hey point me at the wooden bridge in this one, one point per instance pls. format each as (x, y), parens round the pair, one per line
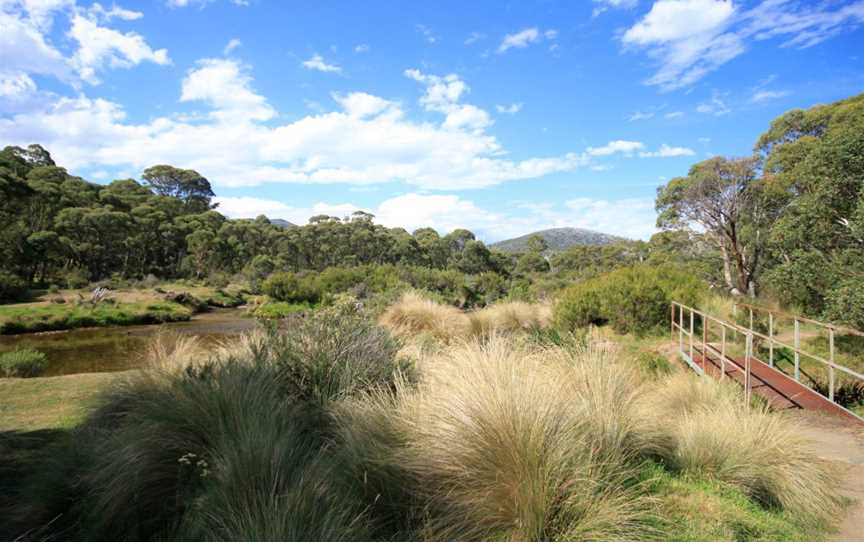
(721, 349)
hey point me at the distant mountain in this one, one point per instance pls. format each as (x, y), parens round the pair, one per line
(558, 239)
(282, 223)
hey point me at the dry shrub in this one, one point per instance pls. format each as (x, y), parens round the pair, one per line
(501, 443)
(509, 317)
(415, 315)
(701, 426)
(170, 352)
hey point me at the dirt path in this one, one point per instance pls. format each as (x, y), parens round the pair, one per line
(838, 441)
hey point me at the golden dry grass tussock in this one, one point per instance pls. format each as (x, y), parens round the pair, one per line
(415, 317)
(512, 442)
(704, 427)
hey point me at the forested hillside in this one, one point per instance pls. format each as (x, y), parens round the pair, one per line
(557, 239)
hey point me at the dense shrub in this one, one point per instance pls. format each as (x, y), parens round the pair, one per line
(12, 288)
(75, 277)
(845, 304)
(631, 299)
(22, 363)
(291, 287)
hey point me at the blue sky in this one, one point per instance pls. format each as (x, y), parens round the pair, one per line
(499, 117)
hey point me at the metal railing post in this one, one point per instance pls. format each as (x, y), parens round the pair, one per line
(704, 338)
(747, 359)
(771, 339)
(691, 336)
(722, 352)
(751, 318)
(831, 366)
(681, 329)
(797, 344)
(672, 321)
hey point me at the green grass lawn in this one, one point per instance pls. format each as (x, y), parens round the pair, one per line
(27, 318)
(60, 402)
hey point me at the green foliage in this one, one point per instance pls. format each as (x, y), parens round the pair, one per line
(12, 288)
(845, 304)
(75, 277)
(279, 310)
(632, 299)
(52, 317)
(23, 363)
(291, 287)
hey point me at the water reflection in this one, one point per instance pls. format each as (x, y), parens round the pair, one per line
(121, 348)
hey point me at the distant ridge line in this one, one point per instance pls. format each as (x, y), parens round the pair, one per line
(559, 239)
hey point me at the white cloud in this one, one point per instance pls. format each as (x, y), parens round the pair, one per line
(640, 115)
(23, 48)
(691, 38)
(366, 141)
(226, 88)
(96, 11)
(362, 105)
(520, 39)
(474, 38)
(716, 106)
(317, 63)
(427, 33)
(362, 48)
(673, 115)
(16, 86)
(511, 109)
(443, 95)
(232, 44)
(617, 146)
(767, 95)
(633, 217)
(637, 148)
(604, 5)
(99, 46)
(667, 151)
(26, 48)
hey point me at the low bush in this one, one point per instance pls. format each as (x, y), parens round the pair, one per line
(703, 427)
(292, 288)
(845, 304)
(23, 363)
(12, 287)
(631, 299)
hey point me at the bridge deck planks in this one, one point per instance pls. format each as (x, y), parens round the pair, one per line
(781, 391)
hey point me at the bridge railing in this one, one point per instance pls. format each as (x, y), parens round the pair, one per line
(685, 320)
(830, 363)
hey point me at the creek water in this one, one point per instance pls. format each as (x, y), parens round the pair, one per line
(98, 350)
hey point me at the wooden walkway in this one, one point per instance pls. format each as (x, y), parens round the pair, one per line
(781, 391)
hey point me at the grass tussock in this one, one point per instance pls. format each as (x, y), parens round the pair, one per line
(505, 443)
(509, 317)
(703, 427)
(415, 315)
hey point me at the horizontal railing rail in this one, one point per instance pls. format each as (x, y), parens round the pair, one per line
(722, 346)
